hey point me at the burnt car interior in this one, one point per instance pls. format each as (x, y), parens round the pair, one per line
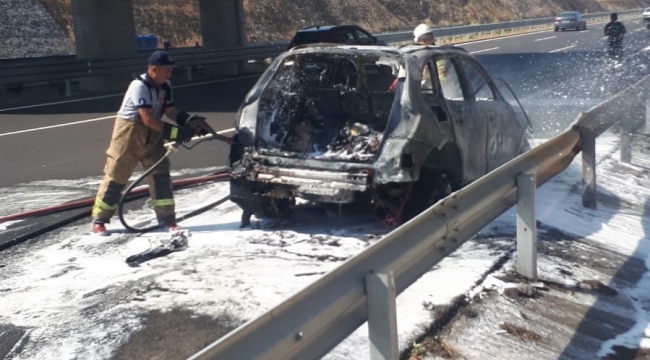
(326, 106)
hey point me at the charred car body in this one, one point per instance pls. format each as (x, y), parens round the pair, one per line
(397, 128)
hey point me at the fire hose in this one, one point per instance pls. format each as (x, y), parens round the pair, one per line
(171, 148)
(130, 194)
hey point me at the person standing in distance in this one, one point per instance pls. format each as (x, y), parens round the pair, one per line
(138, 136)
(615, 30)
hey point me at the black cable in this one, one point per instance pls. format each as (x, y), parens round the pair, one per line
(120, 205)
(46, 229)
(205, 208)
(83, 214)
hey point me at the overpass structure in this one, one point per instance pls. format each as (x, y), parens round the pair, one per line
(107, 29)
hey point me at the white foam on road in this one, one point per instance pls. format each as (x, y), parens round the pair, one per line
(79, 299)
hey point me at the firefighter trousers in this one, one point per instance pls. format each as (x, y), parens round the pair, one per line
(132, 143)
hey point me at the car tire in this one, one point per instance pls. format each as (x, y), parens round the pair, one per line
(555, 29)
(432, 186)
(264, 207)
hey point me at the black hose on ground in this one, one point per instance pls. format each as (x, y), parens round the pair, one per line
(86, 213)
(178, 219)
(120, 205)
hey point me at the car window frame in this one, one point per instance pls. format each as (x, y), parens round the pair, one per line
(481, 70)
(461, 80)
(347, 30)
(358, 30)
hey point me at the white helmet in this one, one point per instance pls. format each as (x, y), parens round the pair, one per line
(421, 30)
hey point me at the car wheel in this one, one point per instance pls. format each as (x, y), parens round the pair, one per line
(555, 29)
(264, 207)
(431, 187)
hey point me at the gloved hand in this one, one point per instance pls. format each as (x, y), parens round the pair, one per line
(179, 134)
(181, 118)
(197, 123)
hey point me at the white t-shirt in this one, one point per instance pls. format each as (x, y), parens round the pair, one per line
(143, 94)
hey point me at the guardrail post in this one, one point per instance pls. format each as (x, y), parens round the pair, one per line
(382, 316)
(526, 226)
(626, 140)
(588, 168)
(647, 118)
(68, 88)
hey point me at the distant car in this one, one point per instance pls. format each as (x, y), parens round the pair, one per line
(646, 15)
(335, 34)
(397, 129)
(570, 20)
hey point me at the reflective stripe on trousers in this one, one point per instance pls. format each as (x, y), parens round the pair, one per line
(132, 143)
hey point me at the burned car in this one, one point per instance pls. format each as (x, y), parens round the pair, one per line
(397, 128)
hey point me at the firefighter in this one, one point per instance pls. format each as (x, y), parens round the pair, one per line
(138, 136)
(615, 30)
(423, 35)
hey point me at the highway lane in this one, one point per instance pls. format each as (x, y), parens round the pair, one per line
(590, 40)
(77, 151)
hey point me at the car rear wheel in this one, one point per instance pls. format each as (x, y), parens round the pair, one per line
(264, 207)
(432, 186)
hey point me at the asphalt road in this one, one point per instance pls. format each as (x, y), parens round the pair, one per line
(555, 75)
(68, 140)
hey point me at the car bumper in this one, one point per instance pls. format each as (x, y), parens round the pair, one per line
(567, 26)
(315, 185)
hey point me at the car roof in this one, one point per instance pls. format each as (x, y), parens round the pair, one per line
(569, 12)
(342, 48)
(378, 50)
(319, 28)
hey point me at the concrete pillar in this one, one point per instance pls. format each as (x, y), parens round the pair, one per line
(222, 27)
(104, 29)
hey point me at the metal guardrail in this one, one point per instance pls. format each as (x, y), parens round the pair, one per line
(54, 69)
(313, 321)
(77, 68)
(489, 30)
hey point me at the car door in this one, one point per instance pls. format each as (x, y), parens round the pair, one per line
(504, 132)
(469, 120)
